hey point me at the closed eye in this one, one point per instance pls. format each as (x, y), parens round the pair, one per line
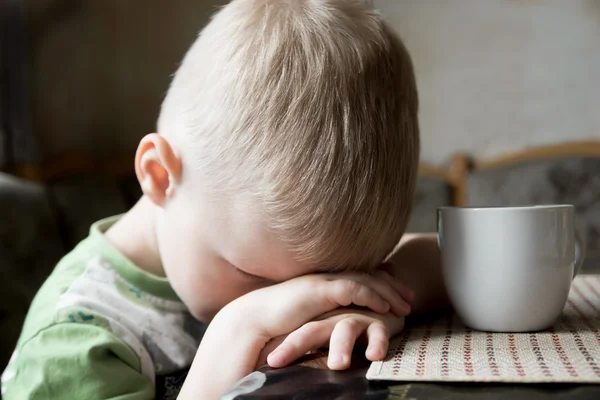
(245, 274)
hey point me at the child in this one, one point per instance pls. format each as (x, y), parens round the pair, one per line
(280, 179)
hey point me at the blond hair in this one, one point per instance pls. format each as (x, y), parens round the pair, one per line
(310, 106)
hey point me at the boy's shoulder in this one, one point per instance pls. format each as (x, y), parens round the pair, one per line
(97, 285)
(95, 295)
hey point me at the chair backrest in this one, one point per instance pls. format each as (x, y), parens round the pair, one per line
(435, 188)
(567, 173)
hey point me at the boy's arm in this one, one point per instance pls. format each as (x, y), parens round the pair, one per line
(417, 264)
(232, 344)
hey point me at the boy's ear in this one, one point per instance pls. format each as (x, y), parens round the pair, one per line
(158, 168)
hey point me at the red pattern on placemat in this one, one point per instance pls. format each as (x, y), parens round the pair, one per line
(422, 352)
(562, 355)
(577, 337)
(489, 348)
(591, 301)
(585, 353)
(443, 351)
(467, 349)
(400, 349)
(538, 355)
(593, 290)
(586, 322)
(583, 316)
(446, 346)
(512, 347)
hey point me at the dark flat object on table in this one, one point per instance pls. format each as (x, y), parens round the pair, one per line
(300, 382)
(310, 379)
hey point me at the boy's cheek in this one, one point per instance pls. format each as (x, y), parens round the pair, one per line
(205, 301)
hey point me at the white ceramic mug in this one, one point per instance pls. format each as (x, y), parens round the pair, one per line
(509, 269)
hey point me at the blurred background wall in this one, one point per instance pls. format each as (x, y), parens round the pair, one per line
(499, 75)
(101, 68)
(494, 75)
(81, 81)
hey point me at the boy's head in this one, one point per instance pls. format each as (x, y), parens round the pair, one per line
(289, 135)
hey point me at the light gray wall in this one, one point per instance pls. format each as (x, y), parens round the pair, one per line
(499, 75)
(494, 75)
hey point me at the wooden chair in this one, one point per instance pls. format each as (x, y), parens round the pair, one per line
(567, 173)
(436, 187)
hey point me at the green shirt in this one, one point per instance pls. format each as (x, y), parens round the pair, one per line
(102, 328)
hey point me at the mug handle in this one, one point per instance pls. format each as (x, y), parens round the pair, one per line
(579, 252)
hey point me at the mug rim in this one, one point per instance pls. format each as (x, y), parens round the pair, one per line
(506, 208)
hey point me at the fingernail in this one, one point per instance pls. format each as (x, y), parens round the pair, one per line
(407, 308)
(337, 360)
(376, 353)
(403, 310)
(275, 357)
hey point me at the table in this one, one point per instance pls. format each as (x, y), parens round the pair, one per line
(310, 379)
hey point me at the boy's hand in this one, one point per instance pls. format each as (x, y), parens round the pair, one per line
(340, 330)
(282, 308)
(232, 344)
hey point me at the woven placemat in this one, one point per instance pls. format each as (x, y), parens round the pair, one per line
(445, 350)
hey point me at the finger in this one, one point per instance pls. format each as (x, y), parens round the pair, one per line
(308, 337)
(383, 284)
(344, 292)
(269, 347)
(378, 341)
(342, 342)
(404, 291)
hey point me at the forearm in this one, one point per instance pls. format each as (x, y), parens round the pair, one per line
(417, 263)
(225, 356)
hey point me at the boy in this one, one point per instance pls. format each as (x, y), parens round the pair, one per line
(287, 147)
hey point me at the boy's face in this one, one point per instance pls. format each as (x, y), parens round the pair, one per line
(215, 250)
